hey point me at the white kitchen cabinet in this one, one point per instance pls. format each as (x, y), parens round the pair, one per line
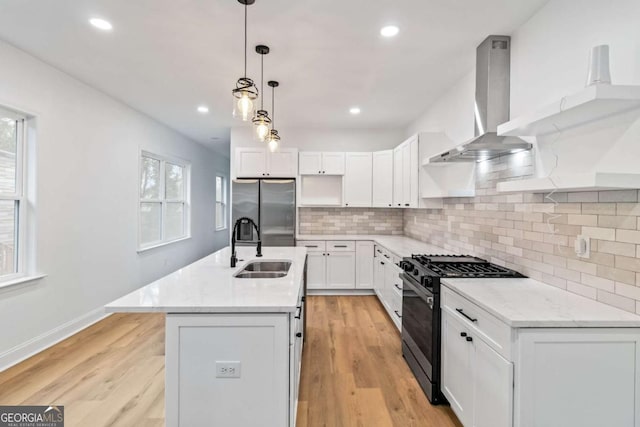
(358, 179)
(406, 174)
(378, 273)
(341, 271)
(282, 163)
(251, 162)
(382, 182)
(316, 270)
(256, 162)
(398, 184)
(495, 375)
(364, 265)
(414, 175)
(457, 367)
(330, 264)
(321, 163)
(492, 387)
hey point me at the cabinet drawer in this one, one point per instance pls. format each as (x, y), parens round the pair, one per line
(494, 332)
(313, 245)
(337, 246)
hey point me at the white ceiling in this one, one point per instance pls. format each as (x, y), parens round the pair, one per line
(165, 57)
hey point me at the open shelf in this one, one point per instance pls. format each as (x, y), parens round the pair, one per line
(320, 190)
(589, 105)
(596, 181)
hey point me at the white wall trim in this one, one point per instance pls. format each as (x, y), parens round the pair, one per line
(40, 343)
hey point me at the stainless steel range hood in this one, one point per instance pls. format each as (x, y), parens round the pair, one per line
(493, 58)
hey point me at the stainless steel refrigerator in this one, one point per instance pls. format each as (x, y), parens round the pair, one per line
(271, 203)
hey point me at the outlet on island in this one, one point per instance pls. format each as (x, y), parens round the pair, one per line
(227, 369)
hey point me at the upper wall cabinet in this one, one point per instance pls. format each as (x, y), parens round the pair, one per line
(259, 162)
(405, 174)
(382, 196)
(358, 179)
(322, 163)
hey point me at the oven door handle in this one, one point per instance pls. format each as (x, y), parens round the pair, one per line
(424, 295)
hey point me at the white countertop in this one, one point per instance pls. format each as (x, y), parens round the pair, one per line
(208, 286)
(527, 303)
(401, 246)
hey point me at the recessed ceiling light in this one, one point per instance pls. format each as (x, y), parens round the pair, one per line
(389, 31)
(203, 109)
(101, 24)
(354, 110)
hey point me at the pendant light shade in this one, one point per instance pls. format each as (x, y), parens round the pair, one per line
(245, 91)
(273, 139)
(261, 119)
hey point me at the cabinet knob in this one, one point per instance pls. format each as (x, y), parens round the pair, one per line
(463, 334)
(299, 334)
(469, 339)
(319, 171)
(406, 204)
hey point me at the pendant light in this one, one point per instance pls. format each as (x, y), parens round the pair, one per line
(245, 91)
(261, 119)
(273, 139)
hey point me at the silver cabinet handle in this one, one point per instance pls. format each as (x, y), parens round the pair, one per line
(430, 302)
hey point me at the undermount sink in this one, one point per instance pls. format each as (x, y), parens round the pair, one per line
(260, 274)
(264, 270)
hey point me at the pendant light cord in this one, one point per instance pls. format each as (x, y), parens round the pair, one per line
(262, 81)
(273, 107)
(245, 40)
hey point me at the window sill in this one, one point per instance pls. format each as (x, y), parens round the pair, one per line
(20, 280)
(159, 245)
(221, 229)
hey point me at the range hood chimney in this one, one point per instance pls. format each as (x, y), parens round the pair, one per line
(493, 58)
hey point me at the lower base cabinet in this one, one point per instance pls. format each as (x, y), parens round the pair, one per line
(339, 265)
(497, 376)
(387, 283)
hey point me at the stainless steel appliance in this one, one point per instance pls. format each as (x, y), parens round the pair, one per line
(271, 204)
(421, 310)
(493, 80)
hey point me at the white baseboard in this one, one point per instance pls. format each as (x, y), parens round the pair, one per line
(352, 292)
(35, 345)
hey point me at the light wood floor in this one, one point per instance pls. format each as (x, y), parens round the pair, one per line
(112, 374)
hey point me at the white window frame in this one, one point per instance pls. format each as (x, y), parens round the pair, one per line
(23, 263)
(163, 159)
(224, 202)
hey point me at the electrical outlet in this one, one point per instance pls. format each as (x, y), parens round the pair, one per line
(227, 369)
(583, 246)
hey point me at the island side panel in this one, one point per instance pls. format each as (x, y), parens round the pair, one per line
(196, 394)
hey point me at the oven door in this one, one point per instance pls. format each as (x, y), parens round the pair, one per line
(418, 325)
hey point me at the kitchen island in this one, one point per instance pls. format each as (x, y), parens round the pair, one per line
(233, 345)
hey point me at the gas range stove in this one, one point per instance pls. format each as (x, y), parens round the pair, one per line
(427, 270)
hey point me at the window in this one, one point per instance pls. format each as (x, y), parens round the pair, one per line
(12, 202)
(221, 203)
(164, 200)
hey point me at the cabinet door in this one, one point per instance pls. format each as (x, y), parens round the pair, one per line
(378, 276)
(406, 175)
(283, 163)
(492, 388)
(357, 179)
(316, 270)
(391, 278)
(310, 163)
(382, 192)
(341, 270)
(414, 170)
(364, 265)
(251, 162)
(333, 163)
(457, 367)
(397, 176)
